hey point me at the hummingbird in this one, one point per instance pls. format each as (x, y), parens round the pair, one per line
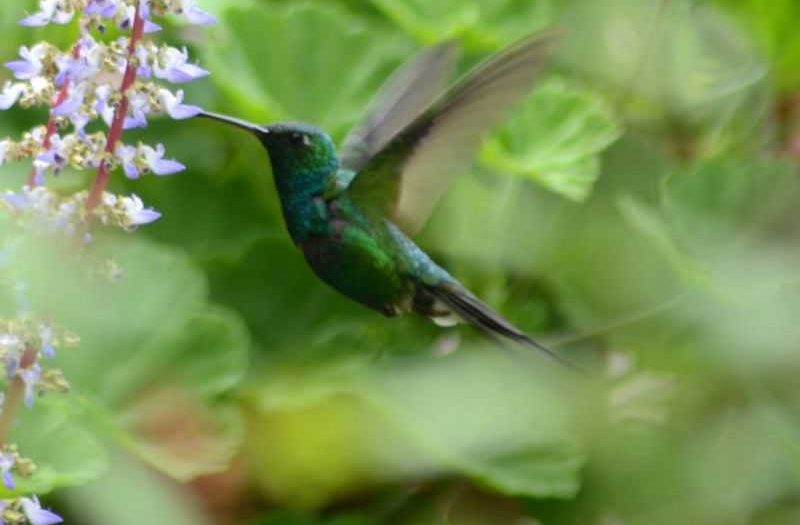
(352, 212)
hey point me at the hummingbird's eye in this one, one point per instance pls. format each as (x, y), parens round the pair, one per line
(300, 140)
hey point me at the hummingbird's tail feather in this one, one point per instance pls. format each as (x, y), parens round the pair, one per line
(481, 316)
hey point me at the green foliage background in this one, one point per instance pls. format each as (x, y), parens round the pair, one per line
(638, 211)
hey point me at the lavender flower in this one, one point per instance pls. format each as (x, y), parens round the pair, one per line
(174, 107)
(31, 64)
(10, 95)
(173, 65)
(195, 15)
(102, 8)
(55, 11)
(136, 213)
(46, 342)
(36, 514)
(6, 464)
(30, 378)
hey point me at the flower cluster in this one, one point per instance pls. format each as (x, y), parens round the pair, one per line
(96, 90)
(24, 335)
(115, 82)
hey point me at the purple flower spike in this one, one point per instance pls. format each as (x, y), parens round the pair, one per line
(173, 106)
(36, 514)
(195, 15)
(158, 164)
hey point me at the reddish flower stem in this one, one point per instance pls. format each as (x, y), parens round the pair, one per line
(58, 99)
(121, 111)
(15, 394)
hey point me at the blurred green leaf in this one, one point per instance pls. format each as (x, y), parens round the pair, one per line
(337, 59)
(679, 66)
(708, 202)
(408, 420)
(130, 493)
(555, 139)
(485, 24)
(772, 25)
(152, 350)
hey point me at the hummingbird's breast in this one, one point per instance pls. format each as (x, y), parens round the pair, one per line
(353, 258)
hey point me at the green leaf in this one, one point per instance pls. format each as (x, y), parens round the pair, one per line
(684, 65)
(555, 139)
(130, 493)
(773, 26)
(304, 62)
(65, 453)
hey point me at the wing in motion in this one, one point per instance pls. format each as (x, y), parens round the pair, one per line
(406, 178)
(403, 97)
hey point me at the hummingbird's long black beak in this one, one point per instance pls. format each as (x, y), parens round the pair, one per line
(242, 124)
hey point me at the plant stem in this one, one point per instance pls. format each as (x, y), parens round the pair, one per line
(14, 394)
(121, 111)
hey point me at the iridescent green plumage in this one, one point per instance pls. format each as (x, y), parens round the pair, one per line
(351, 213)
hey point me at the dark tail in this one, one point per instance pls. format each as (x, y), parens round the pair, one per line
(480, 315)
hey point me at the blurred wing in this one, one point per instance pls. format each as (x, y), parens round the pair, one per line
(407, 178)
(403, 97)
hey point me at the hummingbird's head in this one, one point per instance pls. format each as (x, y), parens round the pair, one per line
(296, 150)
(297, 146)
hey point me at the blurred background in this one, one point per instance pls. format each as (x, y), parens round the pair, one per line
(637, 212)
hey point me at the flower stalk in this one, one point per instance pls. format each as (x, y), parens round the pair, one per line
(121, 111)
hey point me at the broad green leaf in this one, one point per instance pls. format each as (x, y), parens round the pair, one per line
(66, 454)
(304, 62)
(555, 139)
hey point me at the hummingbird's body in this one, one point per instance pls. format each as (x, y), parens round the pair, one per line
(368, 259)
(350, 212)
